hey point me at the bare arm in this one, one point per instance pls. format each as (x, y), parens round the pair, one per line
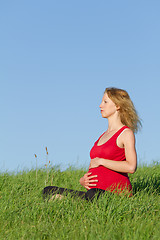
(128, 166)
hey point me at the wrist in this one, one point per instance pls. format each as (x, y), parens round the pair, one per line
(101, 161)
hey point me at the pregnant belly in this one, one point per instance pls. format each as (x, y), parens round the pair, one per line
(108, 179)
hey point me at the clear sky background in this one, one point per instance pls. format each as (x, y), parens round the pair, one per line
(56, 59)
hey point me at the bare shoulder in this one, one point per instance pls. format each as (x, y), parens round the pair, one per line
(128, 132)
(127, 135)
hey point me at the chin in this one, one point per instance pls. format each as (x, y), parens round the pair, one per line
(103, 116)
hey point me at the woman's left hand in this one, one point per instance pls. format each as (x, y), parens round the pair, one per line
(95, 162)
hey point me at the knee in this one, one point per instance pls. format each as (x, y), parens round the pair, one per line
(50, 190)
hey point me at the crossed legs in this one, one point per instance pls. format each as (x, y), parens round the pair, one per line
(58, 192)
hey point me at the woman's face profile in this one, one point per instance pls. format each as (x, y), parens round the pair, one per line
(107, 106)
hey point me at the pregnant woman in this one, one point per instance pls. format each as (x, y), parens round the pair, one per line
(113, 155)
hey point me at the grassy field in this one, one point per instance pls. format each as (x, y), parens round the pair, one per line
(25, 215)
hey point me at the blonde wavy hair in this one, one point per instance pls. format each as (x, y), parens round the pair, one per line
(127, 111)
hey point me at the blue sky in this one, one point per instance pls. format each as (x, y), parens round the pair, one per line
(57, 58)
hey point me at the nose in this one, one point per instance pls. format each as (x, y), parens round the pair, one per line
(100, 105)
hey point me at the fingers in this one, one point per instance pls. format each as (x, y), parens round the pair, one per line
(88, 185)
(91, 185)
(94, 176)
(96, 180)
(89, 181)
(87, 174)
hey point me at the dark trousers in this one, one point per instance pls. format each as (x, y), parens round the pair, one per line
(89, 195)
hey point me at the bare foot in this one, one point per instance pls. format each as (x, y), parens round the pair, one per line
(55, 196)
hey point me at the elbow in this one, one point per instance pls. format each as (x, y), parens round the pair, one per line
(132, 169)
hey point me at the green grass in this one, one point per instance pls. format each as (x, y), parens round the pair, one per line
(24, 214)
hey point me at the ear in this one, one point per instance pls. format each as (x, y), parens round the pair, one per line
(118, 108)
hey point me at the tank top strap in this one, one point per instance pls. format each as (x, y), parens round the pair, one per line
(114, 137)
(120, 131)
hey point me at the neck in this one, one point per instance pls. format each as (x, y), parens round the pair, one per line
(114, 124)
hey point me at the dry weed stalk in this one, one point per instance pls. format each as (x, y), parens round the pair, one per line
(47, 166)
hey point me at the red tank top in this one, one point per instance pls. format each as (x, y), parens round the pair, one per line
(108, 179)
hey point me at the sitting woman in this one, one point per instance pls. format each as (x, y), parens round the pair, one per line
(113, 155)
